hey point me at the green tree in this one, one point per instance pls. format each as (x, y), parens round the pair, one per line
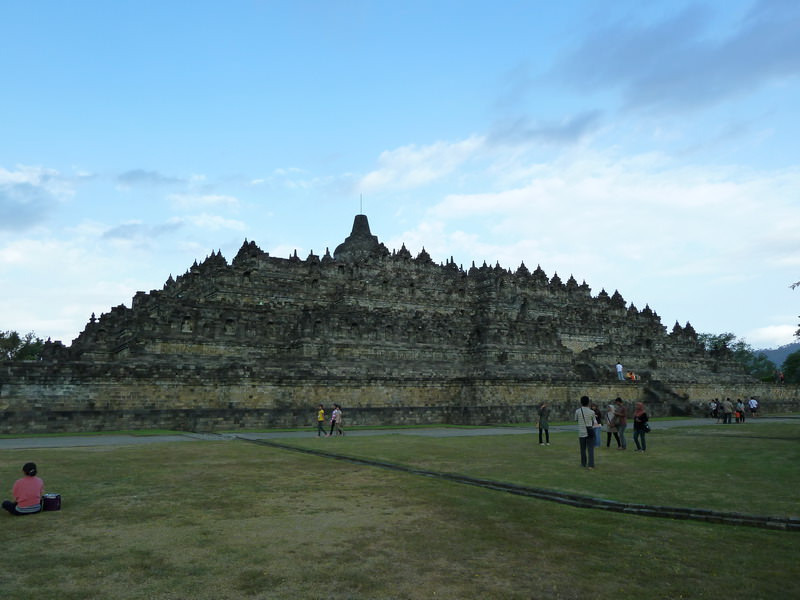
(791, 368)
(726, 345)
(758, 365)
(717, 344)
(16, 347)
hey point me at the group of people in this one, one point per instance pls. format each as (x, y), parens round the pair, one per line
(725, 410)
(336, 422)
(591, 422)
(614, 422)
(625, 376)
(27, 492)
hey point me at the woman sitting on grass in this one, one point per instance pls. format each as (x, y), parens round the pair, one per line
(27, 492)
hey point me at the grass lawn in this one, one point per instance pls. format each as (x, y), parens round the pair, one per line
(218, 520)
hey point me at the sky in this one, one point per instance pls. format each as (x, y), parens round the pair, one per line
(650, 148)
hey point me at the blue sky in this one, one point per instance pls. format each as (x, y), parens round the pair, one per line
(649, 148)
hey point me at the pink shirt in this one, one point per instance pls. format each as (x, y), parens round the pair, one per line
(28, 491)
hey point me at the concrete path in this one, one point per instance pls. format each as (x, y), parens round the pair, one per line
(77, 441)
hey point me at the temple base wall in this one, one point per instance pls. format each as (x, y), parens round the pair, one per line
(41, 407)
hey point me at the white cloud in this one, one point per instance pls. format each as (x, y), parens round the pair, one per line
(772, 336)
(413, 166)
(695, 243)
(28, 174)
(190, 201)
(213, 222)
(57, 284)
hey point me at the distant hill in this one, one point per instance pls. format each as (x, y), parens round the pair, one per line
(778, 355)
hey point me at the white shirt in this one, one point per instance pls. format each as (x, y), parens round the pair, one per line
(584, 415)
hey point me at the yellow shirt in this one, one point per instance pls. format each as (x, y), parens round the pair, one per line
(321, 415)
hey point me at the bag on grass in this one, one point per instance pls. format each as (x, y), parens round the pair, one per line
(51, 502)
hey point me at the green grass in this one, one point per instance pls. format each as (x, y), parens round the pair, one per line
(752, 469)
(231, 520)
(134, 432)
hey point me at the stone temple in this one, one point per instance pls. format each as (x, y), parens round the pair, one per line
(393, 338)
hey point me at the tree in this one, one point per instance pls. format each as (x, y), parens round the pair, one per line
(759, 365)
(791, 368)
(717, 344)
(16, 347)
(726, 345)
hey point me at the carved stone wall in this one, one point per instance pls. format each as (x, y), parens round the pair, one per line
(386, 334)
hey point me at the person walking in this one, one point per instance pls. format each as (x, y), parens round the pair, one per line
(752, 404)
(640, 427)
(585, 418)
(321, 422)
(339, 420)
(544, 423)
(333, 419)
(621, 414)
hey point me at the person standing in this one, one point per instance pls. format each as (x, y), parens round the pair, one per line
(611, 427)
(598, 418)
(620, 375)
(640, 419)
(544, 423)
(585, 418)
(740, 410)
(727, 411)
(27, 492)
(321, 422)
(621, 415)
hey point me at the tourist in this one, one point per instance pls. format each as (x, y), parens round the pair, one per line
(621, 414)
(620, 376)
(584, 417)
(753, 405)
(611, 426)
(727, 411)
(27, 492)
(333, 419)
(598, 419)
(321, 422)
(544, 423)
(739, 411)
(339, 420)
(640, 419)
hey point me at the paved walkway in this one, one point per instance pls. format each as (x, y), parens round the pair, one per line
(129, 440)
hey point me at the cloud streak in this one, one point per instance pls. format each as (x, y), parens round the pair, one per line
(140, 231)
(568, 130)
(682, 63)
(28, 195)
(141, 177)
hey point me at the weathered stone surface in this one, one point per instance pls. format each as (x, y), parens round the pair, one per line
(394, 339)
